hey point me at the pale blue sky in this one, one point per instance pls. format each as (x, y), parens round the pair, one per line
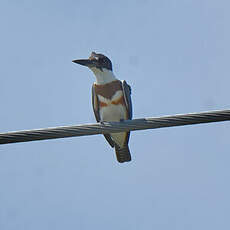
(175, 55)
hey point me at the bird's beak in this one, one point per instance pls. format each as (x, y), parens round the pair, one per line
(86, 62)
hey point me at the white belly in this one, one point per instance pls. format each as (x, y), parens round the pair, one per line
(114, 113)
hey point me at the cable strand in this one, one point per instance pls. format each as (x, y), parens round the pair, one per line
(112, 127)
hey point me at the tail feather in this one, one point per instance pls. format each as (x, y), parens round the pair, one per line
(123, 154)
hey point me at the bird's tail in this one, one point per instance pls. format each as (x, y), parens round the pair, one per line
(123, 154)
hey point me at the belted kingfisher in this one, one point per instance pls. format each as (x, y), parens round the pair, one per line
(111, 99)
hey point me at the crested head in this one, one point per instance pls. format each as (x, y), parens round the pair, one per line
(102, 62)
(95, 60)
(101, 67)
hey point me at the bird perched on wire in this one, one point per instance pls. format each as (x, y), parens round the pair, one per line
(111, 99)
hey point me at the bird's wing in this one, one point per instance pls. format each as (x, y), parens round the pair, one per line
(127, 95)
(95, 103)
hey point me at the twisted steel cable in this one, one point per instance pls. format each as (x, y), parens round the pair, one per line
(113, 127)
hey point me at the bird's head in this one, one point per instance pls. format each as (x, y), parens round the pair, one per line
(96, 62)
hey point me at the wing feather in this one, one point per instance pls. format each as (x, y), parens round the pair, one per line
(95, 105)
(127, 95)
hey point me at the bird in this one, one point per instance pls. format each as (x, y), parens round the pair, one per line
(111, 100)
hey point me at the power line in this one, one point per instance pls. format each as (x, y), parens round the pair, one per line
(113, 127)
